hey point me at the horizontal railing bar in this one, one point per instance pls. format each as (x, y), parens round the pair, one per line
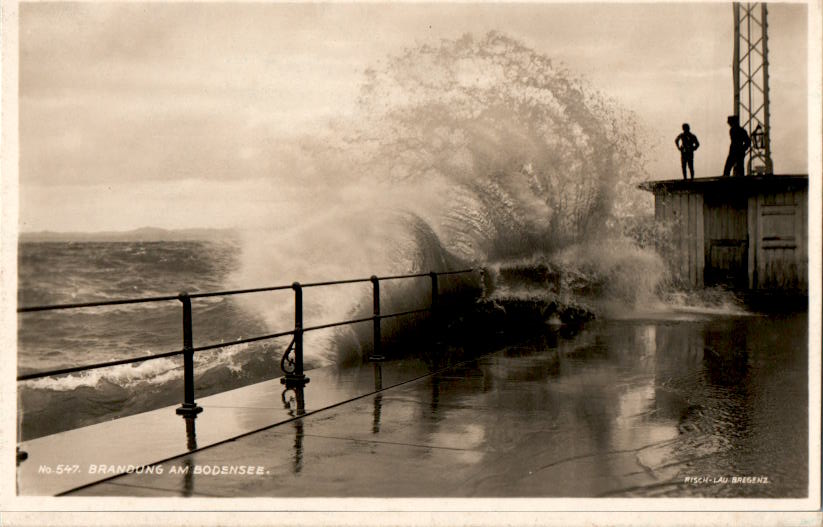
(421, 275)
(240, 291)
(391, 277)
(401, 313)
(53, 307)
(335, 282)
(210, 346)
(144, 300)
(456, 272)
(335, 324)
(399, 276)
(64, 371)
(97, 304)
(244, 341)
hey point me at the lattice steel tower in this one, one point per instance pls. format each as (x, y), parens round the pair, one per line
(751, 81)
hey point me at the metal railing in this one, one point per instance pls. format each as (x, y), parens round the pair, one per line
(292, 361)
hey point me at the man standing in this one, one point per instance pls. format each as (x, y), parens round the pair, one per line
(687, 144)
(738, 147)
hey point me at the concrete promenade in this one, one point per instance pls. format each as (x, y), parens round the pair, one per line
(701, 406)
(494, 426)
(60, 462)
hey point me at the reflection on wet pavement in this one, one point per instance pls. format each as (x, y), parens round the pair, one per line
(625, 408)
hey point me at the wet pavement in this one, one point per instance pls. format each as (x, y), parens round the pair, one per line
(60, 462)
(712, 406)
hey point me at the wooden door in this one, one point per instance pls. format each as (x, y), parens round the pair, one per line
(780, 252)
(726, 241)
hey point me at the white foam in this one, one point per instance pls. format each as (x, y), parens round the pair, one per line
(126, 375)
(478, 147)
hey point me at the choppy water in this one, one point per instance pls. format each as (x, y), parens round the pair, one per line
(53, 273)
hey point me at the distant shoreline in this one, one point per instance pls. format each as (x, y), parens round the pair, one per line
(144, 234)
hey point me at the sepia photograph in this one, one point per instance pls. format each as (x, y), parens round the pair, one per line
(402, 256)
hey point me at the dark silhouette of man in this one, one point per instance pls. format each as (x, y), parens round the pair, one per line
(687, 143)
(738, 147)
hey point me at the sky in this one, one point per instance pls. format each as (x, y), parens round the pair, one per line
(155, 114)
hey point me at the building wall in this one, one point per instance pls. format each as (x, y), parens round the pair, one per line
(683, 248)
(748, 237)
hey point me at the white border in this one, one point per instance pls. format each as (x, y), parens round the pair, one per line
(702, 511)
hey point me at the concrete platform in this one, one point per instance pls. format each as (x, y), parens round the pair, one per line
(623, 409)
(63, 461)
(434, 437)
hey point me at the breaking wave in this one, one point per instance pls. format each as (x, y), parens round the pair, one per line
(478, 152)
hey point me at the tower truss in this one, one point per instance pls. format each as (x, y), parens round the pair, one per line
(751, 82)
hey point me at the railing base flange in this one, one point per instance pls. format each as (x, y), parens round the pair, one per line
(294, 380)
(188, 410)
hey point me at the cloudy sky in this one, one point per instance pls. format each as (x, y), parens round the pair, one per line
(167, 114)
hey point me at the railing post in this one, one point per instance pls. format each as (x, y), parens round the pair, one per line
(377, 338)
(378, 399)
(435, 293)
(297, 378)
(191, 433)
(189, 407)
(378, 377)
(435, 308)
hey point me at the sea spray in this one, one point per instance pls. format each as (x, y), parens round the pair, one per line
(468, 152)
